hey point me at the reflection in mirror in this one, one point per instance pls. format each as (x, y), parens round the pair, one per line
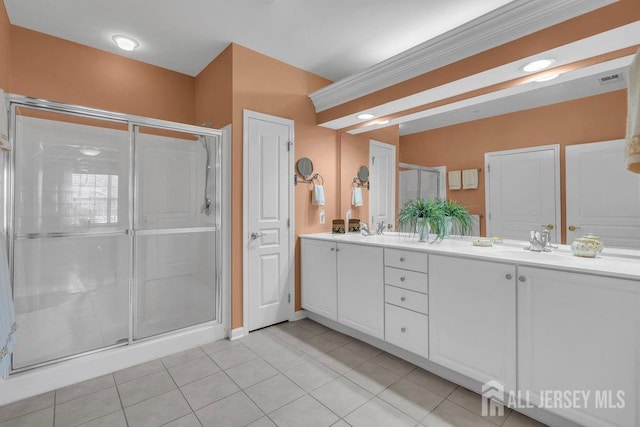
(304, 166)
(363, 174)
(420, 181)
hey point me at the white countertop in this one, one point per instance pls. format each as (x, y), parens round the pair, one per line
(622, 263)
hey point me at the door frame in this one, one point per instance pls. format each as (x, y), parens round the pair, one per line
(246, 115)
(556, 166)
(394, 149)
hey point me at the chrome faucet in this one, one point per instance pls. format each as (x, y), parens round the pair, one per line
(364, 229)
(380, 228)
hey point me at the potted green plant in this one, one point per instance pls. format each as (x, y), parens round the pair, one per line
(438, 216)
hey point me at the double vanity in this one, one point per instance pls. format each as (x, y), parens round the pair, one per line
(545, 326)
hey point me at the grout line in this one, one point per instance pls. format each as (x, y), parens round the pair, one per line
(185, 399)
(55, 399)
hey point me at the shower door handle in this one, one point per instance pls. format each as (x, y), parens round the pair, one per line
(255, 235)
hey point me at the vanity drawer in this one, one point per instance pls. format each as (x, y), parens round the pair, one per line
(406, 279)
(407, 329)
(407, 299)
(416, 261)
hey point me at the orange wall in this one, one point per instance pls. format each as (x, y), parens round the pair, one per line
(48, 67)
(269, 86)
(214, 92)
(596, 118)
(5, 48)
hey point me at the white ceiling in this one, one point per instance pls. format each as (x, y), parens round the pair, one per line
(331, 38)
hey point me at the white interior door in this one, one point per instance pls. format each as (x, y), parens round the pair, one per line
(382, 199)
(267, 174)
(603, 198)
(523, 191)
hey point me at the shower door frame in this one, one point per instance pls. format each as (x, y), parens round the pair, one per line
(132, 122)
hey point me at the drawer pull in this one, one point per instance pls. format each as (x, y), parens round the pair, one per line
(508, 276)
(403, 329)
(402, 279)
(403, 299)
(401, 259)
(522, 279)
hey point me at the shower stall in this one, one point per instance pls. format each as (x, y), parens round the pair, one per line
(113, 229)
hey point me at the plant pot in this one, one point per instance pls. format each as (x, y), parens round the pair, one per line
(422, 228)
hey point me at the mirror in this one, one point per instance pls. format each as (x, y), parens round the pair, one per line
(363, 174)
(304, 166)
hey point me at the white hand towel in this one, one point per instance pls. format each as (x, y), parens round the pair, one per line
(632, 150)
(318, 195)
(469, 179)
(356, 196)
(4, 123)
(454, 180)
(8, 335)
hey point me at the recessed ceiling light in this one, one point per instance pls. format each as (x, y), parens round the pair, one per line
(538, 65)
(125, 43)
(546, 77)
(90, 151)
(383, 122)
(365, 116)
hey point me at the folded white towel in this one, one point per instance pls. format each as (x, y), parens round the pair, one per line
(318, 195)
(8, 335)
(469, 179)
(356, 196)
(454, 180)
(4, 123)
(632, 150)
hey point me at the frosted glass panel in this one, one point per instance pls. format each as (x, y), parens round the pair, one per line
(71, 296)
(171, 172)
(429, 184)
(175, 281)
(70, 177)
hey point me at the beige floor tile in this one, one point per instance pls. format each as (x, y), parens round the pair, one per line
(286, 358)
(233, 356)
(194, 370)
(26, 406)
(305, 410)
(115, 419)
(317, 346)
(273, 393)
(393, 363)
(209, 390)
(410, 398)
(262, 422)
(294, 335)
(41, 418)
(158, 410)
(87, 408)
(516, 419)
(376, 412)
(340, 423)
(232, 411)
(448, 414)
(314, 327)
(311, 375)
(262, 342)
(187, 421)
(219, 345)
(251, 372)
(341, 396)
(84, 388)
(183, 357)
(143, 388)
(138, 371)
(337, 337)
(372, 377)
(341, 360)
(431, 382)
(473, 402)
(363, 349)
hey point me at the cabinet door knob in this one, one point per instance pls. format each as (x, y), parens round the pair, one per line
(403, 329)
(522, 279)
(402, 279)
(402, 259)
(337, 249)
(403, 299)
(508, 276)
(333, 249)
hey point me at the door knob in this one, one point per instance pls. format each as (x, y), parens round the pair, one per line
(573, 228)
(548, 226)
(255, 235)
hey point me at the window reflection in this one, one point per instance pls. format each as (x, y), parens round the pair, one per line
(95, 198)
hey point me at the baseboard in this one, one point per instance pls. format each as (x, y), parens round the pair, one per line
(298, 315)
(237, 333)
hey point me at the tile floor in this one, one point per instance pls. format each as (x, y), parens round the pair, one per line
(292, 374)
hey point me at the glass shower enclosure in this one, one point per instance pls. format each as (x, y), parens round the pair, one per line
(113, 229)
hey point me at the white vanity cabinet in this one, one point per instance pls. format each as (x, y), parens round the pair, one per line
(318, 274)
(472, 318)
(361, 288)
(580, 332)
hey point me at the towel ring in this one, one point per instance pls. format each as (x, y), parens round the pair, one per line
(311, 180)
(359, 183)
(317, 177)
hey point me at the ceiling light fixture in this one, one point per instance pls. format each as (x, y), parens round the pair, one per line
(125, 43)
(90, 151)
(538, 65)
(365, 116)
(546, 77)
(382, 122)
